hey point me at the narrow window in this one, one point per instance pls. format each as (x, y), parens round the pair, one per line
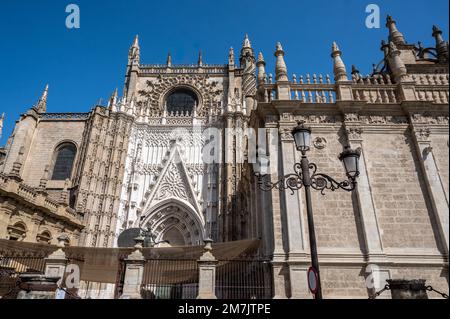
(65, 156)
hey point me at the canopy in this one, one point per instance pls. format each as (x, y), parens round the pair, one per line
(102, 264)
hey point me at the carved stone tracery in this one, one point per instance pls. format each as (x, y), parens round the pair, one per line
(209, 92)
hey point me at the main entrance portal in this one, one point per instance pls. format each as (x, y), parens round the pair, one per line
(174, 223)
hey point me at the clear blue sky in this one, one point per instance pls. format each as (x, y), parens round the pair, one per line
(83, 65)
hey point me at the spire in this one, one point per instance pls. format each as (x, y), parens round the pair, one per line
(394, 35)
(261, 64)
(200, 58)
(441, 45)
(41, 105)
(339, 70)
(136, 41)
(280, 68)
(396, 64)
(112, 103)
(135, 52)
(169, 60)
(246, 43)
(247, 54)
(231, 57)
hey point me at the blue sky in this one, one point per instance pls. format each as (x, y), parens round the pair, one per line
(83, 65)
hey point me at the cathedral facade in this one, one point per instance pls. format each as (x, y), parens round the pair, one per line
(177, 154)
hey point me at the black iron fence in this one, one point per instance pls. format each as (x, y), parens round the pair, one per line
(170, 279)
(244, 279)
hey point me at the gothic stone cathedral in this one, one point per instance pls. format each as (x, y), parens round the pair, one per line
(138, 162)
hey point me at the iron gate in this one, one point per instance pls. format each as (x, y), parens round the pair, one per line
(244, 279)
(170, 279)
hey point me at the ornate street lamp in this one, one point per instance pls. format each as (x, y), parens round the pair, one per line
(306, 176)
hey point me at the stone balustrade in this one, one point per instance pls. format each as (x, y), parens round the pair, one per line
(39, 199)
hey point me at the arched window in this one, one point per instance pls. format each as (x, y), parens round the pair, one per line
(65, 156)
(45, 237)
(17, 231)
(182, 101)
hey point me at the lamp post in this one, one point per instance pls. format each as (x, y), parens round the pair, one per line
(306, 176)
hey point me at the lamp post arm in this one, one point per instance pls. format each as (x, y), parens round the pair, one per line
(322, 182)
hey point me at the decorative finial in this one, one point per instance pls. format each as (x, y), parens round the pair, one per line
(355, 70)
(113, 100)
(441, 45)
(279, 46)
(261, 64)
(261, 58)
(134, 52)
(231, 57)
(246, 43)
(41, 106)
(394, 35)
(200, 58)
(335, 47)
(169, 60)
(280, 68)
(339, 70)
(136, 41)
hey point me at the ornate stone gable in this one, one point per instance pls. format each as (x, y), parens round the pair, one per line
(172, 184)
(173, 181)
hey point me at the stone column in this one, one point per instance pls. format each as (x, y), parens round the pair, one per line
(297, 258)
(55, 263)
(365, 202)
(207, 273)
(295, 230)
(134, 272)
(273, 204)
(435, 188)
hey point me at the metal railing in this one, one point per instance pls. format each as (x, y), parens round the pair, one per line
(244, 279)
(170, 279)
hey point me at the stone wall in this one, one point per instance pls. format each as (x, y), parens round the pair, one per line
(48, 135)
(335, 217)
(398, 192)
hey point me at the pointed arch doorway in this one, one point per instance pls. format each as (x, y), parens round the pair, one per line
(174, 224)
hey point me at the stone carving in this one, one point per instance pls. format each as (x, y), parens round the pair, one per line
(152, 96)
(354, 133)
(172, 184)
(376, 119)
(317, 119)
(320, 143)
(286, 134)
(351, 117)
(429, 119)
(423, 135)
